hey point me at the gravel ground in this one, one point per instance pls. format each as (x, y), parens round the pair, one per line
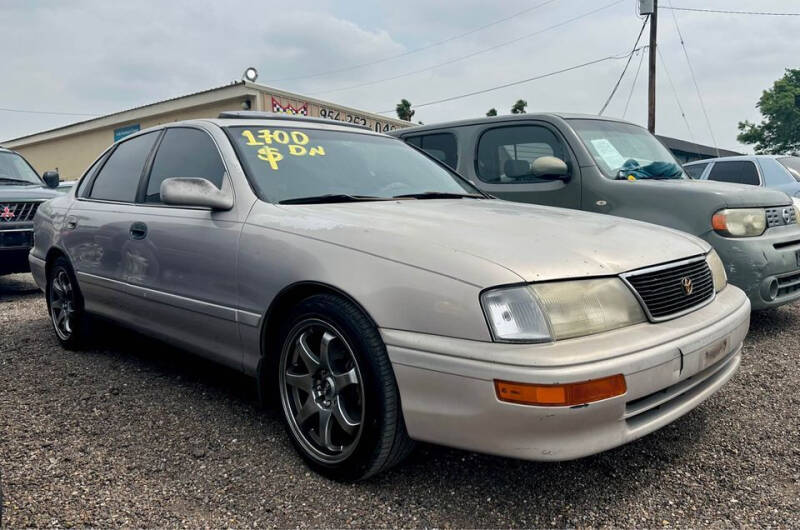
(136, 433)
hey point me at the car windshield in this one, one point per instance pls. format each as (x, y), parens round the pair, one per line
(291, 164)
(14, 169)
(792, 164)
(626, 151)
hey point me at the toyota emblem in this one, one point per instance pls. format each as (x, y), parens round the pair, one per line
(787, 216)
(688, 286)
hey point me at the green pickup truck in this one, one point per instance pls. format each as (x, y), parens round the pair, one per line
(615, 167)
(22, 190)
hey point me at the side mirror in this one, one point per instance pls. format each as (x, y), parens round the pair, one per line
(549, 167)
(51, 178)
(195, 192)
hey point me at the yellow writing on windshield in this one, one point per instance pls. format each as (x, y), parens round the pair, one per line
(269, 140)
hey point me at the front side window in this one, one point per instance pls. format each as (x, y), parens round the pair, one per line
(290, 163)
(441, 146)
(695, 170)
(186, 153)
(505, 154)
(792, 165)
(15, 170)
(623, 150)
(119, 178)
(736, 171)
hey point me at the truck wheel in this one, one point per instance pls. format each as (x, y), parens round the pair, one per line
(340, 401)
(65, 305)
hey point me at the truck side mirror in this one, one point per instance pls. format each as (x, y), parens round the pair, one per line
(51, 178)
(549, 167)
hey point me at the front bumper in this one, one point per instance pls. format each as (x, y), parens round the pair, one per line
(14, 247)
(766, 268)
(447, 392)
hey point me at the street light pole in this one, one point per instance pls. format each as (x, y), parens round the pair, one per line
(651, 88)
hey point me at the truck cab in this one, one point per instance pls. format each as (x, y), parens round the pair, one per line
(614, 167)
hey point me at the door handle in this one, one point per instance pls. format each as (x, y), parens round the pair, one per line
(72, 223)
(138, 231)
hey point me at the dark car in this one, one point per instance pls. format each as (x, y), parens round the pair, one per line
(22, 190)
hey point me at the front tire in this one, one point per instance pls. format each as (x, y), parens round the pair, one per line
(341, 405)
(65, 305)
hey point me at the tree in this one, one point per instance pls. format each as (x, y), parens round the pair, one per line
(404, 111)
(492, 112)
(779, 131)
(519, 107)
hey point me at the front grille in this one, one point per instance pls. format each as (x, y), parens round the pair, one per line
(670, 290)
(780, 216)
(17, 212)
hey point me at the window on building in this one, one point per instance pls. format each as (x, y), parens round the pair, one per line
(695, 170)
(186, 153)
(736, 171)
(119, 178)
(441, 146)
(505, 154)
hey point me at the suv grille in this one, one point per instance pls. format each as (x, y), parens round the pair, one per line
(668, 291)
(17, 212)
(781, 215)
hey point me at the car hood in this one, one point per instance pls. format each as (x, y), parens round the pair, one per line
(715, 195)
(13, 192)
(486, 242)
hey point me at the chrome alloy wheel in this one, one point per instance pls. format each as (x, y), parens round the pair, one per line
(322, 391)
(62, 304)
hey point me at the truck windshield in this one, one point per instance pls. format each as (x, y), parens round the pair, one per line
(792, 164)
(293, 165)
(626, 151)
(15, 170)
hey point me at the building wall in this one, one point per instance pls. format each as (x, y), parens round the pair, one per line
(72, 154)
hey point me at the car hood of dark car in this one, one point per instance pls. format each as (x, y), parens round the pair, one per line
(714, 195)
(10, 192)
(473, 239)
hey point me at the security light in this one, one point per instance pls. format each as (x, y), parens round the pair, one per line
(251, 74)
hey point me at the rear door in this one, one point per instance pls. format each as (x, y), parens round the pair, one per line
(97, 235)
(186, 273)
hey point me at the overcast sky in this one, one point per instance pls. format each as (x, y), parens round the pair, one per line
(98, 57)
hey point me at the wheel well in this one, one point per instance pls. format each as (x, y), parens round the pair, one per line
(52, 254)
(289, 297)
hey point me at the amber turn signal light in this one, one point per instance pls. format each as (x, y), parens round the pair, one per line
(718, 222)
(561, 395)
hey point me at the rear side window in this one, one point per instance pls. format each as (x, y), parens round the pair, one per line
(695, 170)
(737, 171)
(187, 153)
(505, 154)
(120, 176)
(441, 146)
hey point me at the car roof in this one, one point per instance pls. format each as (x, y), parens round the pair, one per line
(244, 118)
(733, 158)
(506, 118)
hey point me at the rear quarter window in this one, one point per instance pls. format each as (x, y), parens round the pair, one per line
(695, 170)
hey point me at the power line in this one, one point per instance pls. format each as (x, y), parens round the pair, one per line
(625, 69)
(415, 50)
(694, 80)
(697, 10)
(461, 58)
(24, 111)
(633, 86)
(521, 81)
(675, 93)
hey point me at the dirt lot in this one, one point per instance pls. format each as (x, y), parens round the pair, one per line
(136, 433)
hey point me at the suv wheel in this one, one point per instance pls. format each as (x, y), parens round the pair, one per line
(338, 393)
(65, 305)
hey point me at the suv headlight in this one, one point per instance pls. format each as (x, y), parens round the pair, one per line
(740, 222)
(717, 270)
(559, 310)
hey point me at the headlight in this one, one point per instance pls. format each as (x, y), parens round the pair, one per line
(740, 222)
(717, 270)
(560, 310)
(796, 203)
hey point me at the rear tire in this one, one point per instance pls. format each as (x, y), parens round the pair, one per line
(65, 305)
(338, 394)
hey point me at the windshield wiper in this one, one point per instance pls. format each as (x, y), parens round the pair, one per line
(439, 195)
(333, 197)
(9, 179)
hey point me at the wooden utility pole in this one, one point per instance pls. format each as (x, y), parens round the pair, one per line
(651, 87)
